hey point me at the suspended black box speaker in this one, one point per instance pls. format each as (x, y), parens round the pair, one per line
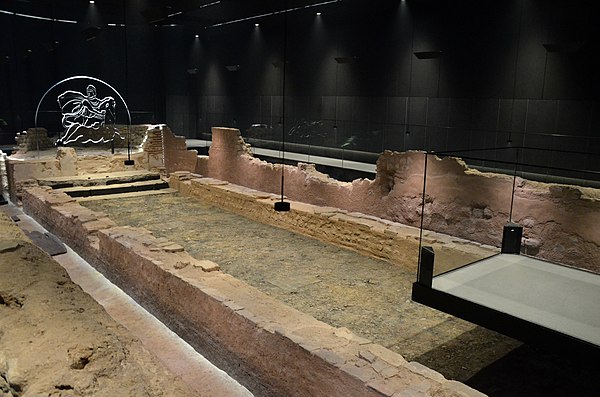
(282, 206)
(511, 238)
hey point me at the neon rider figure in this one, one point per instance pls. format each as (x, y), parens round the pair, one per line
(79, 110)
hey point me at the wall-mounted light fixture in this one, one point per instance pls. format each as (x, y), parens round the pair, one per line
(92, 2)
(318, 14)
(428, 54)
(197, 36)
(567, 47)
(90, 33)
(345, 59)
(256, 25)
(50, 47)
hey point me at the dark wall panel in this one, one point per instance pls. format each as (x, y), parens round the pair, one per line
(517, 71)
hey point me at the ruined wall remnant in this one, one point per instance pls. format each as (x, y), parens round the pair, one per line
(24, 172)
(23, 169)
(166, 151)
(177, 157)
(559, 220)
(367, 234)
(33, 139)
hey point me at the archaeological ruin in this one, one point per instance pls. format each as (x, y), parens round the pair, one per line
(391, 198)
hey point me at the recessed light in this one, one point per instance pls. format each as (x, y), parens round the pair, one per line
(92, 2)
(256, 24)
(197, 36)
(318, 14)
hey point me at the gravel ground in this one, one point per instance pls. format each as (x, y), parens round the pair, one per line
(370, 297)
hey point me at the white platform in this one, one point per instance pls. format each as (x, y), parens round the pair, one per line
(556, 297)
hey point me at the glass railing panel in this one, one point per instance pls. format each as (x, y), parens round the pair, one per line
(463, 212)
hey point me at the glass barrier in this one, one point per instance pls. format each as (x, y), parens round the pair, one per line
(468, 210)
(509, 252)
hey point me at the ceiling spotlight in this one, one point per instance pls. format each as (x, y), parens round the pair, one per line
(256, 24)
(92, 2)
(196, 36)
(318, 14)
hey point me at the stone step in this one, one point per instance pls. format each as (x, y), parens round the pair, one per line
(97, 190)
(126, 195)
(108, 178)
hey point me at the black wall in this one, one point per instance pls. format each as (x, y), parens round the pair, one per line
(489, 78)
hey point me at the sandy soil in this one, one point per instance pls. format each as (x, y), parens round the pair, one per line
(55, 340)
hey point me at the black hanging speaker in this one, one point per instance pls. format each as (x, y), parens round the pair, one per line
(511, 238)
(282, 206)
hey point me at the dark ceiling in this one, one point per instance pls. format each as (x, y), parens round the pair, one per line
(195, 13)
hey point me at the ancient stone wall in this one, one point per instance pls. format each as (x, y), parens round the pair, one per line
(272, 348)
(367, 234)
(176, 155)
(559, 220)
(168, 152)
(153, 148)
(33, 139)
(24, 172)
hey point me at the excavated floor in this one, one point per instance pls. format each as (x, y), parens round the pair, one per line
(369, 296)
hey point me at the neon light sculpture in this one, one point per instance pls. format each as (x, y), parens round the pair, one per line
(85, 111)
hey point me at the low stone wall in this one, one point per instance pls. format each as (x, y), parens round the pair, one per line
(560, 221)
(366, 234)
(271, 348)
(22, 173)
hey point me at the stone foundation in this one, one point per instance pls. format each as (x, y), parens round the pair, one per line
(23, 173)
(271, 348)
(366, 234)
(560, 221)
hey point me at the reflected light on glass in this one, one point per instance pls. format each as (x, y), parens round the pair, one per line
(274, 13)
